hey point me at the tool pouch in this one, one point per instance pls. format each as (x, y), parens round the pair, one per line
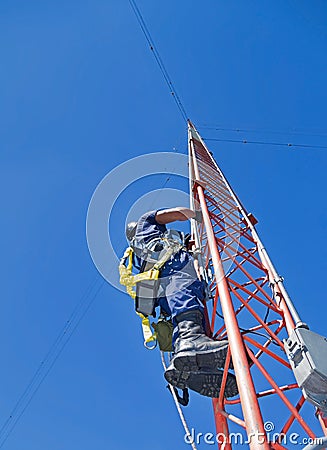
(164, 331)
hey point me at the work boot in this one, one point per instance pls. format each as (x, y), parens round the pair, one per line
(206, 381)
(193, 349)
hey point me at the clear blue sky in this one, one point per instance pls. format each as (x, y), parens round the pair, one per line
(80, 94)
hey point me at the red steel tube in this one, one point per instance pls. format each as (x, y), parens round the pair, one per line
(251, 410)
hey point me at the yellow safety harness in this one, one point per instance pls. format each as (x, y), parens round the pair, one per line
(130, 281)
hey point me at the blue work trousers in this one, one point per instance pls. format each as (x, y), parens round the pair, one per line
(181, 290)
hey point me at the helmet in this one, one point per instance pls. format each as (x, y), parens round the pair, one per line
(130, 230)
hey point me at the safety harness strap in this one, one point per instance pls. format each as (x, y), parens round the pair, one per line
(147, 332)
(129, 280)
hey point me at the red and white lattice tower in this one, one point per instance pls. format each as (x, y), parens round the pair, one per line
(249, 305)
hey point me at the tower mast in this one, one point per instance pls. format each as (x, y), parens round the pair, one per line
(250, 305)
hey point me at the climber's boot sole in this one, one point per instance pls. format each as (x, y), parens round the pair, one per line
(206, 382)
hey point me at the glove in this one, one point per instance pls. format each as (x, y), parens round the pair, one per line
(198, 216)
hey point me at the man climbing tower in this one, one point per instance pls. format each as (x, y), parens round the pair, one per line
(180, 294)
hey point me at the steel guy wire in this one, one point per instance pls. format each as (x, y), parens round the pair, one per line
(158, 59)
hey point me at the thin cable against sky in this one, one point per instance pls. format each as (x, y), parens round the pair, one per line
(280, 144)
(180, 104)
(44, 368)
(159, 60)
(258, 131)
